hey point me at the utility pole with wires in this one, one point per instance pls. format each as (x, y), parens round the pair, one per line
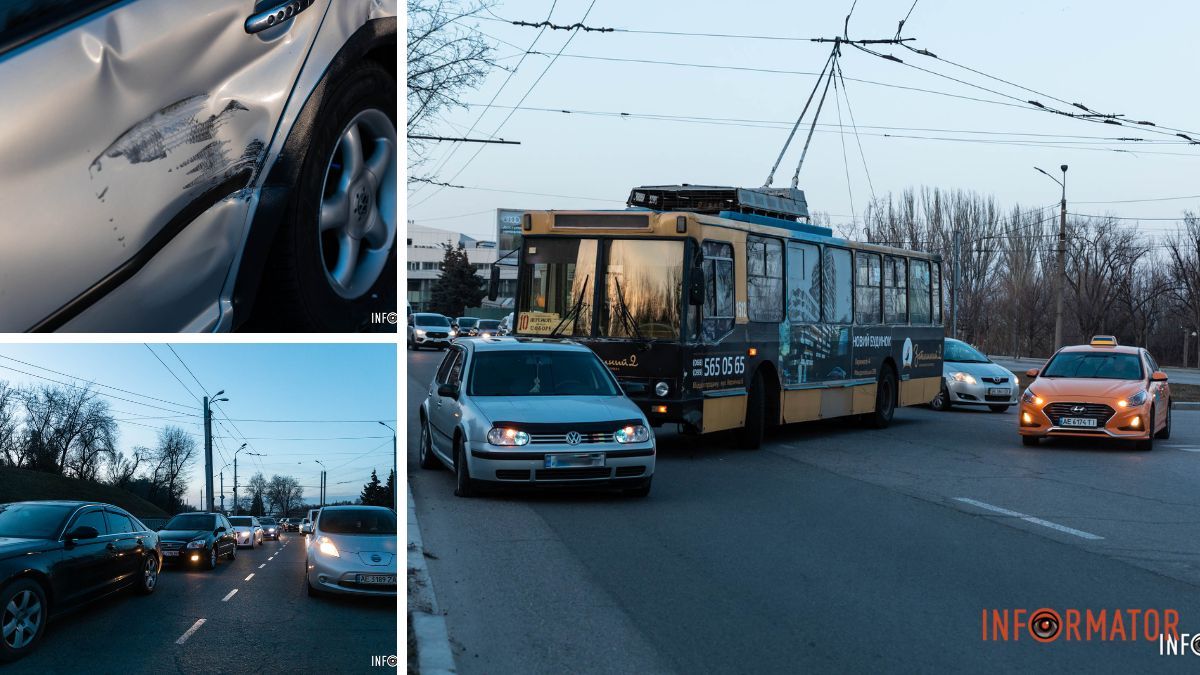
(1060, 277)
(957, 283)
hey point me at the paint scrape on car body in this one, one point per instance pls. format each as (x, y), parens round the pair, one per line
(161, 133)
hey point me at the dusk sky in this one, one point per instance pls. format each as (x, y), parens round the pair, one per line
(267, 385)
(1113, 57)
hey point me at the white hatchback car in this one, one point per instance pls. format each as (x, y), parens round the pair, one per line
(197, 166)
(352, 551)
(533, 412)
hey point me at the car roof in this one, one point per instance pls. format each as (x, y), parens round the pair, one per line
(515, 344)
(1120, 349)
(344, 507)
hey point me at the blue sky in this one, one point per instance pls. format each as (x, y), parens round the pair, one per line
(1133, 59)
(262, 381)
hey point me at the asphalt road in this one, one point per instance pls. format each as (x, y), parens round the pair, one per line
(269, 625)
(834, 548)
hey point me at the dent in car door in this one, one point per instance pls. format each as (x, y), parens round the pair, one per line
(115, 125)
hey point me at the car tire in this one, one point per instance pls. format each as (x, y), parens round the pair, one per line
(426, 458)
(1147, 444)
(641, 491)
(309, 589)
(1030, 440)
(885, 400)
(755, 428)
(299, 292)
(998, 408)
(941, 402)
(1165, 433)
(150, 570)
(211, 563)
(28, 596)
(463, 484)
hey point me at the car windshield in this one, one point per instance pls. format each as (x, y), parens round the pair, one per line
(540, 373)
(431, 320)
(358, 521)
(266, 521)
(33, 521)
(489, 324)
(1094, 365)
(961, 352)
(467, 322)
(241, 521)
(192, 521)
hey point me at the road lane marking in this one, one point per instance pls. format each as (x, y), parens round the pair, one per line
(1189, 448)
(1029, 519)
(231, 594)
(195, 627)
(250, 577)
(270, 559)
(262, 566)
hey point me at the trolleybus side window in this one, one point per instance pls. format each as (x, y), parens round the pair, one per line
(867, 303)
(918, 291)
(895, 290)
(804, 283)
(837, 305)
(764, 279)
(718, 296)
(937, 292)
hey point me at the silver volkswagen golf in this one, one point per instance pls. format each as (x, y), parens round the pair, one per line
(197, 166)
(533, 412)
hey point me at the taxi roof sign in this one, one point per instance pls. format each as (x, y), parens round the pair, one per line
(1104, 341)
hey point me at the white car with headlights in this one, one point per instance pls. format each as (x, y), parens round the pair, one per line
(533, 412)
(271, 528)
(247, 531)
(970, 378)
(352, 551)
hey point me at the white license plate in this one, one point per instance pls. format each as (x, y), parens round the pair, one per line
(1076, 422)
(388, 579)
(999, 391)
(574, 460)
(170, 553)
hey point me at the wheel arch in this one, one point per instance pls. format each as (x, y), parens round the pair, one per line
(770, 376)
(374, 41)
(41, 579)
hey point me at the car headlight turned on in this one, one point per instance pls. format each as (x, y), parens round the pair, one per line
(199, 543)
(506, 436)
(1030, 397)
(419, 332)
(1135, 400)
(632, 434)
(963, 377)
(327, 548)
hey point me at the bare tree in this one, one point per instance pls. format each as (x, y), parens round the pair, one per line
(175, 452)
(446, 58)
(284, 493)
(10, 447)
(122, 469)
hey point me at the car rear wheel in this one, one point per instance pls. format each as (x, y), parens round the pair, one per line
(149, 580)
(998, 408)
(334, 260)
(885, 400)
(1165, 433)
(1030, 440)
(463, 485)
(22, 618)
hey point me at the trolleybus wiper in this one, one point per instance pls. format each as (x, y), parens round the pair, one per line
(623, 311)
(573, 313)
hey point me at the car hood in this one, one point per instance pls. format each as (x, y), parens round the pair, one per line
(1056, 388)
(557, 409)
(978, 370)
(243, 528)
(370, 550)
(13, 546)
(183, 535)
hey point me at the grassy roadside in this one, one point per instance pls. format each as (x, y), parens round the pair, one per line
(18, 485)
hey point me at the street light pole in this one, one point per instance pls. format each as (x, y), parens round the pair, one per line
(322, 481)
(235, 484)
(208, 461)
(395, 476)
(1061, 276)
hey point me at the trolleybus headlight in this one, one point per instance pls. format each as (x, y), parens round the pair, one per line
(662, 389)
(503, 436)
(632, 434)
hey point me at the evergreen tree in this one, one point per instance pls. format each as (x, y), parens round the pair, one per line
(457, 287)
(372, 492)
(389, 489)
(256, 506)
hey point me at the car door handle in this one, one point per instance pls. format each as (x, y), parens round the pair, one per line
(280, 12)
(111, 546)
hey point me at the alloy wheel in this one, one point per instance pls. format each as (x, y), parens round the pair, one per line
(21, 619)
(150, 573)
(357, 220)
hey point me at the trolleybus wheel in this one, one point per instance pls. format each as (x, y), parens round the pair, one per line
(751, 437)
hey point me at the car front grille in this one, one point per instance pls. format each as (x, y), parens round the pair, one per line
(430, 334)
(1096, 411)
(573, 474)
(171, 545)
(995, 380)
(561, 439)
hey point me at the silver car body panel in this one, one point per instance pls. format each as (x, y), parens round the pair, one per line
(115, 125)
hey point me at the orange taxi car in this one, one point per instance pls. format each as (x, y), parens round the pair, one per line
(1097, 390)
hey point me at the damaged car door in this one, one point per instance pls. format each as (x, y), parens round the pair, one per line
(131, 133)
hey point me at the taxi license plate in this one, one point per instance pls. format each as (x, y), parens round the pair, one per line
(574, 460)
(388, 579)
(999, 391)
(170, 553)
(1076, 422)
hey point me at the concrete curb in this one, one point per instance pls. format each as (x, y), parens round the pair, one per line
(1186, 405)
(434, 656)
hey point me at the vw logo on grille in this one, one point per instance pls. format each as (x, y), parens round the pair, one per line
(1078, 409)
(574, 438)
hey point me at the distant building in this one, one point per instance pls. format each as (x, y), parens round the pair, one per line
(425, 254)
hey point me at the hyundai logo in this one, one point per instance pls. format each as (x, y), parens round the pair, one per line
(1078, 409)
(574, 438)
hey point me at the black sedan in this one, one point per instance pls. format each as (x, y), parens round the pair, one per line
(271, 529)
(57, 555)
(198, 538)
